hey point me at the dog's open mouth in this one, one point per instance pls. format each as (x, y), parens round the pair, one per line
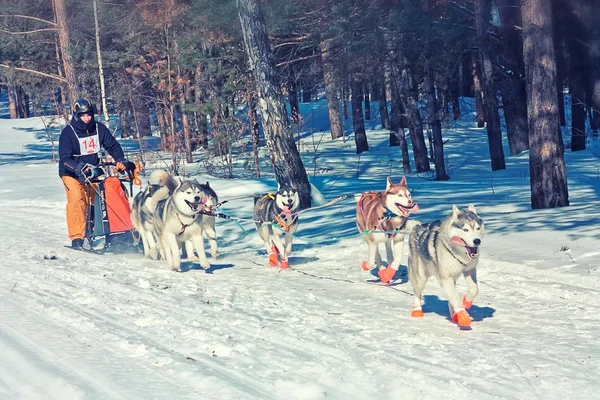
(195, 207)
(405, 210)
(472, 252)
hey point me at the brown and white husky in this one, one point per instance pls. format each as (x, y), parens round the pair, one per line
(381, 217)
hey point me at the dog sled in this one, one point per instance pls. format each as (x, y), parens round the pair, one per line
(108, 225)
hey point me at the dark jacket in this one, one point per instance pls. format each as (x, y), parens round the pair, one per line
(69, 152)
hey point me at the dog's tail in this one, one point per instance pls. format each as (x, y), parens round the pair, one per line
(159, 177)
(167, 184)
(163, 178)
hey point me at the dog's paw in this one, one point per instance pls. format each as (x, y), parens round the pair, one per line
(215, 253)
(462, 318)
(174, 268)
(193, 258)
(364, 265)
(467, 303)
(205, 266)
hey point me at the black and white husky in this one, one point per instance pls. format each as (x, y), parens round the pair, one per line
(176, 213)
(274, 215)
(447, 249)
(142, 211)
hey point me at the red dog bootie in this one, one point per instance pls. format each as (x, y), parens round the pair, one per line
(365, 265)
(417, 312)
(462, 318)
(273, 257)
(466, 303)
(386, 274)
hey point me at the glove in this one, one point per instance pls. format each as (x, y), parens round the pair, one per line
(124, 165)
(88, 171)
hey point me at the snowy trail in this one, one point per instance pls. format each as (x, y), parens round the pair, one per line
(84, 322)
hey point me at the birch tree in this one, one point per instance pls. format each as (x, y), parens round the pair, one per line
(287, 164)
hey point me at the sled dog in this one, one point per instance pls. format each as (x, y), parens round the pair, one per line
(142, 211)
(181, 215)
(274, 216)
(382, 217)
(447, 249)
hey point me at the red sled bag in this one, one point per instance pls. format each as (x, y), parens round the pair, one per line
(117, 206)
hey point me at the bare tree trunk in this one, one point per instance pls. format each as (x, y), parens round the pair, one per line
(490, 97)
(548, 175)
(560, 63)
(61, 89)
(185, 127)
(415, 124)
(514, 97)
(21, 113)
(584, 29)
(379, 91)
(60, 12)
(396, 120)
(367, 99)
(254, 132)
(331, 90)
(443, 94)
(345, 100)
(594, 57)
(162, 125)
(292, 88)
(397, 136)
(100, 67)
(124, 122)
(577, 74)
(433, 119)
(454, 93)
(199, 99)
(477, 91)
(12, 101)
(360, 135)
(287, 164)
(26, 107)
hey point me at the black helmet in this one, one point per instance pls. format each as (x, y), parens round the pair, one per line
(82, 106)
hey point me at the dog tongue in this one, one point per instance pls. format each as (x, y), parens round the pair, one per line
(415, 208)
(457, 240)
(286, 210)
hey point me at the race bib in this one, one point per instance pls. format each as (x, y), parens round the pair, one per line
(89, 145)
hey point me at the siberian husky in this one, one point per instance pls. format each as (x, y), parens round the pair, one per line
(382, 217)
(274, 214)
(447, 249)
(142, 211)
(183, 213)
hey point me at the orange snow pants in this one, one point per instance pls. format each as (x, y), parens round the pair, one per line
(77, 206)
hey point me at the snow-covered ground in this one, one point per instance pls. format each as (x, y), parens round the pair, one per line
(77, 325)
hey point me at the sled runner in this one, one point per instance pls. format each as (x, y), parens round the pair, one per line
(109, 213)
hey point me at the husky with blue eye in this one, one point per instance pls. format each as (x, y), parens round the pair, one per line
(447, 249)
(275, 216)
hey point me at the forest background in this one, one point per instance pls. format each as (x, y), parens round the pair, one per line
(228, 76)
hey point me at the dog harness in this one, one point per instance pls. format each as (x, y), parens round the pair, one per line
(387, 215)
(183, 226)
(281, 222)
